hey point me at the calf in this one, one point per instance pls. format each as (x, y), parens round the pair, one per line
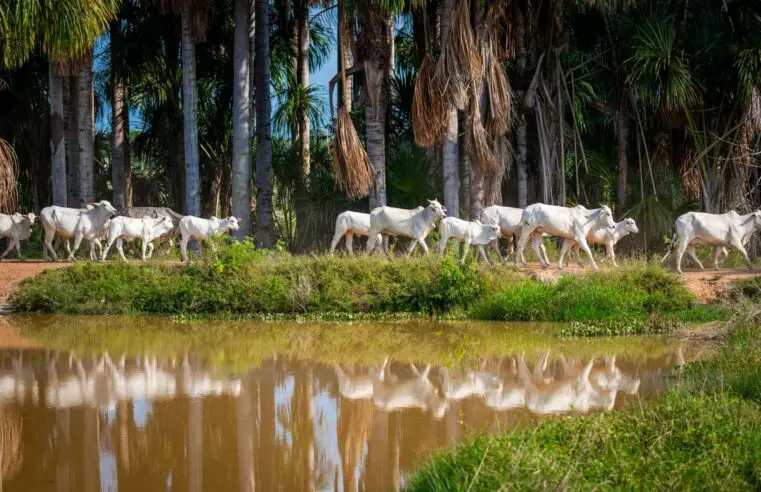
(349, 224)
(201, 229)
(468, 233)
(718, 230)
(16, 228)
(414, 224)
(156, 213)
(609, 237)
(146, 230)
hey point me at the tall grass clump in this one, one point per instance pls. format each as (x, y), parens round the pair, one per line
(241, 279)
(635, 292)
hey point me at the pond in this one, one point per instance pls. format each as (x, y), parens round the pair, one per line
(144, 404)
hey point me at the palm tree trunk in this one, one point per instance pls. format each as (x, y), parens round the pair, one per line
(72, 140)
(117, 128)
(343, 59)
(57, 141)
(622, 134)
(244, 420)
(450, 151)
(375, 126)
(126, 150)
(263, 129)
(521, 129)
(241, 186)
(303, 80)
(85, 120)
(190, 118)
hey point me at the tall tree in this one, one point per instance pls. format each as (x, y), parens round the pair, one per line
(85, 128)
(450, 150)
(190, 116)
(241, 166)
(57, 140)
(263, 128)
(121, 173)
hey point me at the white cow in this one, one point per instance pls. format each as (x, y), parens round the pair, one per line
(417, 392)
(201, 229)
(699, 228)
(574, 393)
(127, 228)
(509, 221)
(16, 228)
(568, 222)
(414, 224)
(609, 237)
(349, 224)
(355, 387)
(474, 233)
(88, 223)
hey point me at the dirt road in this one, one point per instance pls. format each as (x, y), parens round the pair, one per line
(705, 285)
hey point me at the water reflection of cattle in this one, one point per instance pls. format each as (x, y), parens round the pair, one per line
(103, 382)
(579, 390)
(417, 392)
(469, 384)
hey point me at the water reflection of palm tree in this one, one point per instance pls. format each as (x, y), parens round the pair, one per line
(244, 420)
(10, 444)
(354, 422)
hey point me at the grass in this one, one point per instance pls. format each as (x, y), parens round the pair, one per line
(242, 281)
(705, 434)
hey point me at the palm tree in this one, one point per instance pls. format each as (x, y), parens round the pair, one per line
(241, 166)
(450, 150)
(263, 128)
(64, 31)
(121, 173)
(85, 128)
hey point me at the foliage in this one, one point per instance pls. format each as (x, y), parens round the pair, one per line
(617, 327)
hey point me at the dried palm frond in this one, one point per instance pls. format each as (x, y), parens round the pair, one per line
(429, 114)
(477, 140)
(351, 166)
(498, 90)
(690, 176)
(460, 62)
(11, 455)
(8, 178)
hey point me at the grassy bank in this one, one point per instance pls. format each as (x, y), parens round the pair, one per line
(706, 434)
(242, 281)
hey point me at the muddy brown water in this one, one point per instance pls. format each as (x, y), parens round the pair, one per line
(85, 407)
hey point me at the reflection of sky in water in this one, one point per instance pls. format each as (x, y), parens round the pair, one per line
(283, 396)
(108, 476)
(326, 432)
(142, 410)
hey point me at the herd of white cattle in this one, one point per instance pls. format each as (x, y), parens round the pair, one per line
(577, 227)
(99, 221)
(66, 382)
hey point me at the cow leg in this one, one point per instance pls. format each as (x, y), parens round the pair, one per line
(563, 251)
(11, 242)
(577, 251)
(465, 249)
(482, 252)
(120, 248)
(411, 247)
(109, 243)
(535, 242)
(738, 245)
(443, 244)
(48, 244)
(77, 241)
(495, 246)
(18, 250)
(612, 254)
(423, 245)
(526, 232)
(372, 238)
(349, 242)
(143, 247)
(680, 249)
(184, 248)
(150, 249)
(694, 256)
(336, 238)
(582, 240)
(716, 254)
